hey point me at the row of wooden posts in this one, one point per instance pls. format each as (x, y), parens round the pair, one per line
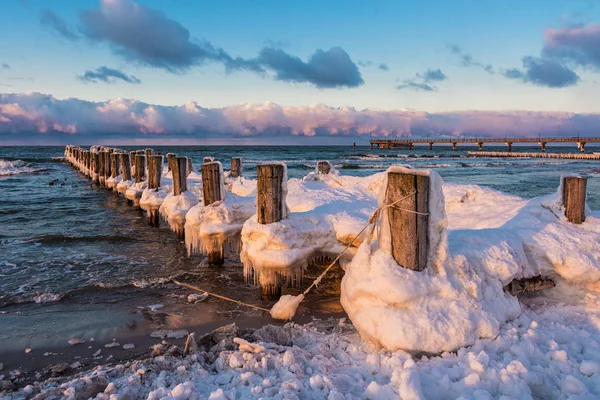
(408, 230)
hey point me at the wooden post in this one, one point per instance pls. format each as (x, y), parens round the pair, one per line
(106, 165)
(96, 167)
(169, 157)
(125, 166)
(179, 169)
(236, 167)
(114, 165)
(132, 157)
(101, 178)
(323, 167)
(269, 198)
(208, 159)
(211, 191)
(574, 190)
(408, 231)
(270, 201)
(190, 166)
(140, 168)
(155, 164)
(148, 153)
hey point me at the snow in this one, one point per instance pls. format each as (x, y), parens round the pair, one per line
(174, 208)
(286, 307)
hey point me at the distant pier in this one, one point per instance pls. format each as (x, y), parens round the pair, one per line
(570, 156)
(542, 141)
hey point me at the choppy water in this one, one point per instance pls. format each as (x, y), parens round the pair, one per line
(63, 239)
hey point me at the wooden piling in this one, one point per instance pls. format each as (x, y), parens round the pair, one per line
(148, 153)
(106, 166)
(211, 191)
(323, 167)
(155, 164)
(96, 167)
(114, 165)
(170, 156)
(236, 167)
(269, 198)
(101, 177)
(408, 231)
(190, 167)
(132, 155)
(270, 201)
(125, 166)
(179, 170)
(208, 159)
(574, 191)
(140, 168)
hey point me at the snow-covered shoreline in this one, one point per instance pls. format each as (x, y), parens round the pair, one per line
(552, 350)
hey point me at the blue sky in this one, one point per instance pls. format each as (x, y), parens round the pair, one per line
(434, 53)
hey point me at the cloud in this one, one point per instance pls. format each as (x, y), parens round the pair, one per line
(467, 60)
(59, 25)
(31, 118)
(422, 82)
(324, 69)
(5, 66)
(543, 72)
(107, 75)
(579, 45)
(145, 36)
(383, 67)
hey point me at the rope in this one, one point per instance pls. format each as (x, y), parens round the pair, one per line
(241, 303)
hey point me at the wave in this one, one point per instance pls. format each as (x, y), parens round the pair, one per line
(51, 239)
(361, 166)
(16, 167)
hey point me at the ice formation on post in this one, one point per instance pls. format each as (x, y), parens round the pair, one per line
(492, 239)
(208, 229)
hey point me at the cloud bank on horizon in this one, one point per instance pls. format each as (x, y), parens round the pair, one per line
(45, 119)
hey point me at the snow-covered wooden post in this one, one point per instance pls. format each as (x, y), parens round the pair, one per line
(96, 167)
(179, 170)
(208, 159)
(324, 167)
(236, 167)
(140, 168)
(190, 166)
(155, 164)
(270, 205)
(574, 190)
(101, 177)
(148, 153)
(132, 158)
(125, 165)
(114, 165)
(170, 156)
(408, 230)
(211, 193)
(107, 166)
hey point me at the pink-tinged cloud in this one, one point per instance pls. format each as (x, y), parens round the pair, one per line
(35, 117)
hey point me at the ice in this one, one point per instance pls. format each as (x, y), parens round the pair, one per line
(174, 208)
(286, 307)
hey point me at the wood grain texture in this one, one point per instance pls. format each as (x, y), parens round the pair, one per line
(140, 168)
(409, 231)
(125, 166)
(269, 195)
(323, 167)
(574, 191)
(211, 183)
(179, 170)
(236, 167)
(155, 164)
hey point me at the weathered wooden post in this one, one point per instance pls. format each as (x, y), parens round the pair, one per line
(155, 164)
(269, 209)
(106, 166)
(169, 157)
(190, 166)
(236, 167)
(101, 178)
(179, 171)
(408, 229)
(95, 167)
(125, 166)
(132, 158)
(211, 191)
(148, 153)
(574, 190)
(140, 168)
(114, 165)
(208, 159)
(324, 167)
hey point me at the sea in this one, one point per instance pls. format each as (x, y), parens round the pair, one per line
(70, 249)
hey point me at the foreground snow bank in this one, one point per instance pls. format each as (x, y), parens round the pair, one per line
(551, 351)
(459, 298)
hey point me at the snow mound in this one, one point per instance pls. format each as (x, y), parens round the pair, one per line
(174, 208)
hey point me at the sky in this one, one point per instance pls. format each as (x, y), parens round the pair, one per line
(295, 72)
